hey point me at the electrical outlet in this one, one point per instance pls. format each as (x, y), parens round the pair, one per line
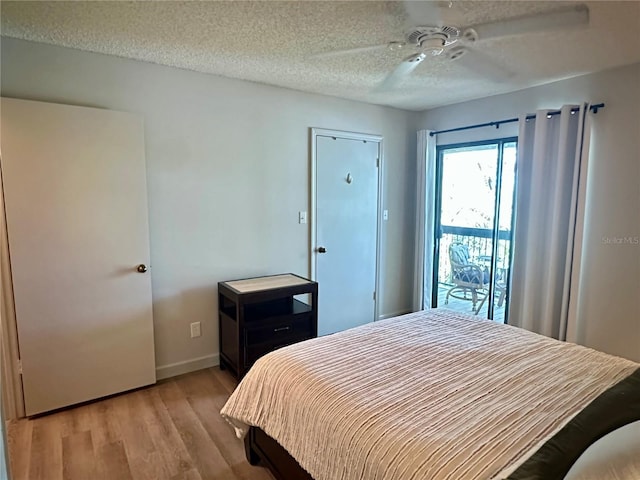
(195, 330)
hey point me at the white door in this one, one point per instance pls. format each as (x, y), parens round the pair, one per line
(346, 222)
(76, 206)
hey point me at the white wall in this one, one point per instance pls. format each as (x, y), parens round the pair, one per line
(228, 171)
(609, 302)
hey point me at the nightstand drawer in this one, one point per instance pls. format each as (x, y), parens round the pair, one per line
(301, 326)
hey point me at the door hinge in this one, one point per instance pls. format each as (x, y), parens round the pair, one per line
(19, 366)
(377, 163)
(374, 295)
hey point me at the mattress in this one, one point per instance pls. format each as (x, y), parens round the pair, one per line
(435, 394)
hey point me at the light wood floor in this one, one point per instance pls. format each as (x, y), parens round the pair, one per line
(172, 430)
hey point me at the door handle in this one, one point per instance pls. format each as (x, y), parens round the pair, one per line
(322, 250)
(142, 268)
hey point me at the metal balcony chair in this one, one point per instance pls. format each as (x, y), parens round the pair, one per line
(471, 281)
(500, 291)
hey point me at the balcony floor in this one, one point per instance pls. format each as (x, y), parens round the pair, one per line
(465, 306)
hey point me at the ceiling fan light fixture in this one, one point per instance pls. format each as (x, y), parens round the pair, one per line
(432, 46)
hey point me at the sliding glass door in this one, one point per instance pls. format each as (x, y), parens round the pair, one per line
(474, 218)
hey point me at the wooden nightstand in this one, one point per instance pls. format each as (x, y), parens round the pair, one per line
(259, 315)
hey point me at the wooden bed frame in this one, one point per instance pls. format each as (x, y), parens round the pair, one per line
(261, 448)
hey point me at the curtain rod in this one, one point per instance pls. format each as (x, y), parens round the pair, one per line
(497, 123)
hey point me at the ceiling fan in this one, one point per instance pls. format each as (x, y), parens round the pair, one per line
(428, 35)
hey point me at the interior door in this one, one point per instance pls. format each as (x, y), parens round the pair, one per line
(76, 207)
(346, 231)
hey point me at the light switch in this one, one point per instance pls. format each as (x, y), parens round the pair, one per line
(195, 330)
(302, 217)
(385, 214)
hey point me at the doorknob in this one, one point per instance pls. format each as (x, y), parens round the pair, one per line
(322, 250)
(142, 268)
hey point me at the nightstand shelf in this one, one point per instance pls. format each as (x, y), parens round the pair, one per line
(259, 315)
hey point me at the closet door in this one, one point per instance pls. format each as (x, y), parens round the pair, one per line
(76, 206)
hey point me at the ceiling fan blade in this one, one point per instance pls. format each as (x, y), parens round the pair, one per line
(566, 17)
(421, 13)
(352, 51)
(481, 63)
(407, 66)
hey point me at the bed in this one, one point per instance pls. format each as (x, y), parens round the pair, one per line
(430, 395)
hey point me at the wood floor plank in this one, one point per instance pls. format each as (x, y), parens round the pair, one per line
(73, 421)
(169, 431)
(78, 459)
(207, 457)
(224, 378)
(202, 392)
(45, 462)
(188, 475)
(149, 467)
(163, 432)
(105, 429)
(111, 462)
(19, 435)
(145, 461)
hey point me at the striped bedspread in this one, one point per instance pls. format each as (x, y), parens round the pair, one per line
(431, 395)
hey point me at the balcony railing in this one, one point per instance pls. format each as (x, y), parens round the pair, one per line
(479, 243)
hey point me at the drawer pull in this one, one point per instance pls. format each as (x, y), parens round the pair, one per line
(281, 329)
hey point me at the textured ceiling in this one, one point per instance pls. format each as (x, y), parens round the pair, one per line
(273, 42)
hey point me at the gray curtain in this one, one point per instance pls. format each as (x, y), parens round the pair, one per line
(551, 183)
(425, 220)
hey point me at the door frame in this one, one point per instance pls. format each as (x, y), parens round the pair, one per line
(10, 376)
(314, 133)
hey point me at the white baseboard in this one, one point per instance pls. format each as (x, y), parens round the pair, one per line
(393, 314)
(186, 366)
